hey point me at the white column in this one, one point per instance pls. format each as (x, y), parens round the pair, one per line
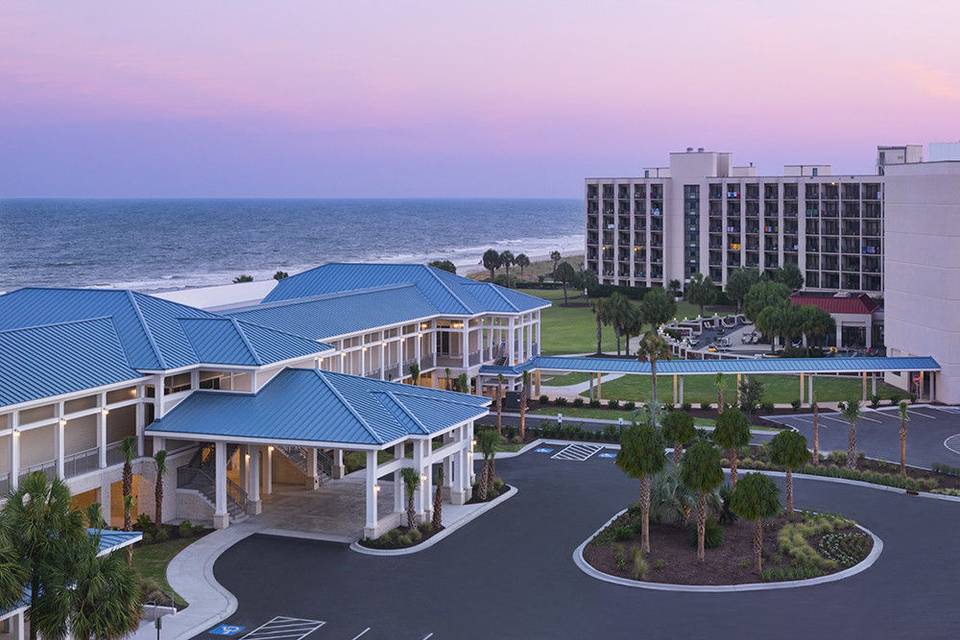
(221, 519)
(268, 473)
(383, 355)
(873, 384)
(370, 527)
(869, 334)
(839, 335)
(104, 497)
(19, 621)
(339, 470)
(158, 394)
(459, 475)
(399, 491)
(242, 456)
(141, 419)
(539, 344)
(426, 481)
(159, 444)
(312, 483)
(58, 447)
(512, 342)
(254, 506)
(681, 389)
(14, 451)
(401, 365)
(810, 399)
(465, 344)
(419, 500)
(102, 431)
(472, 475)
(417, 347)
(433, 341)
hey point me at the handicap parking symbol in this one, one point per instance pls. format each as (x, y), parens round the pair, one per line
(607, 455)
(543, 450)
(227, 630)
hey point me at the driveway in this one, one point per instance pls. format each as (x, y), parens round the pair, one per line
(509, 574)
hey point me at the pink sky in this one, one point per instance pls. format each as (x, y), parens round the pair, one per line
(455, 98)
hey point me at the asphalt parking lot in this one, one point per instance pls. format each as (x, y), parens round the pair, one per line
(933, 434)
(509, 574)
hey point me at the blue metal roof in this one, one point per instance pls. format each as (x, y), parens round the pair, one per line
(53, 360)
(704, 367)
(156, 334)
(448, 293)
(306, 405)
(336, 314)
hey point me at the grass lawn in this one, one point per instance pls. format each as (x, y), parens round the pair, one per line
(151, 560)
(777, 388)
(565, 379)
(573, 329)
(603, 414)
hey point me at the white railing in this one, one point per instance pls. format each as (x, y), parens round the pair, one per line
(48, 467)
(81, 462)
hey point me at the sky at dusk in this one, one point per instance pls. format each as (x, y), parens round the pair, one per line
(448, 98)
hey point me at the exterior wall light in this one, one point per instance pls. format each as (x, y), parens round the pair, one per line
(376, 488)
(105, 412)
(63, 422)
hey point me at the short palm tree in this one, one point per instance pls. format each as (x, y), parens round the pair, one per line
(411, 480)
(653, 348)
(701, 472)
(678, 429)
(732, 431)
(756, 498)
(500, 403)
(43, 533)
(904, 418)
(415, 374)
(850, 410)
(524, 395)
(103, 594)
(641, 456)
(815, 456)
(718, 383)
(128, 449)
(438, 500)
(160, 460)
(789, 450)
(13, 573)
(488, 440)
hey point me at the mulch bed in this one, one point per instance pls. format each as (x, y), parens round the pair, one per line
(673, 558)
(384, 541)
(492, 494)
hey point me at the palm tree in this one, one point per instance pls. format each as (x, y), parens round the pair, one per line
(411, 480)
(522, 261)
(488, 447)
(641, 456)
(904, 418)
(732, 431)
(678, 428)
(13, 574)
(103, 594)
(789, 450)
(816, 432)
(280, 275)
(566, 275)
(653, 348)
(160, 460)
(500, 403)
(415, 374)
(701, 472)
(850, 410)
(94, 516)
(718, 383)
(243, 278)
(756, 498)
(603, 313)
(506, 261)
(42, 533)
(446, 375)
(437, 521)
(632, 326)
(555, 258)
(491, 262)
(524, 396)
(128, 448)
(619, 309)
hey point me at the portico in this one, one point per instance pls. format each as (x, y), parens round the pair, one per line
(305, 413)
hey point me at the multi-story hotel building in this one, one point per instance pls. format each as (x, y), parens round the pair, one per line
(703, 214)
(274, 388)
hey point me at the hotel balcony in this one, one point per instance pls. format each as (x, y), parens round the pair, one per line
(871, 283)
(851, 191)
(851, 281)
(812, 279)
(810, 192)
(871, 191)
(872, 210)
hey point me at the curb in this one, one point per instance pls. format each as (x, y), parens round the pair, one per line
(426, 544)
(588, 569)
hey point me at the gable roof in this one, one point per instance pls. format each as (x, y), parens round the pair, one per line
(448, 293)
(56, 359)
(307, 405)
(155, 334)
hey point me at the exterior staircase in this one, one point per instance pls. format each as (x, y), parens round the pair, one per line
(199, 475)
(298, 457)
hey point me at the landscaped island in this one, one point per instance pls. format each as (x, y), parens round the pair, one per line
(805, 546)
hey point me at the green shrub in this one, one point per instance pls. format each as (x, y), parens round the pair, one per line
(160, 534)
(186, 529)
(946, 469)
(415, 535)
(947, 492)
(613, 404)
(847, 548)
(766, 407)
(705, 406)
(620, 556)
(790, 572)
(623, 533)
(659, 564)
(578, 402)
(543, 399)
(795, 403)
(712, 535)
(629, 405)
(875, 401)
(594, 404)
(404, 540)
(639, 564)
(143, 523)
(561, 401)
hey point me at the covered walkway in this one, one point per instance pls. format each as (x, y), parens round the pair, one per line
(921, 369)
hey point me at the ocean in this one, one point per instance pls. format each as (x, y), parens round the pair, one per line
(164, 244)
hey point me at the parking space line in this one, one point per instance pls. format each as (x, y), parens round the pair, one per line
(428, 636)
(284, 628)
(834, 419)
(361, 633)
(928, 417)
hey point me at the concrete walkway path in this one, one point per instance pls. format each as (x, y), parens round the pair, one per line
(574, 390)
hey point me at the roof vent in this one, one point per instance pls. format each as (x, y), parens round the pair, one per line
(689, 149)
(700, 149)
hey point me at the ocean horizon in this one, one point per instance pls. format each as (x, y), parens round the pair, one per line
(158, 244)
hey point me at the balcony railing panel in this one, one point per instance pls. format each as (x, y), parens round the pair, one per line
(81, 462)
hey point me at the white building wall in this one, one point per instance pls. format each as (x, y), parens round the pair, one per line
(922, 265)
